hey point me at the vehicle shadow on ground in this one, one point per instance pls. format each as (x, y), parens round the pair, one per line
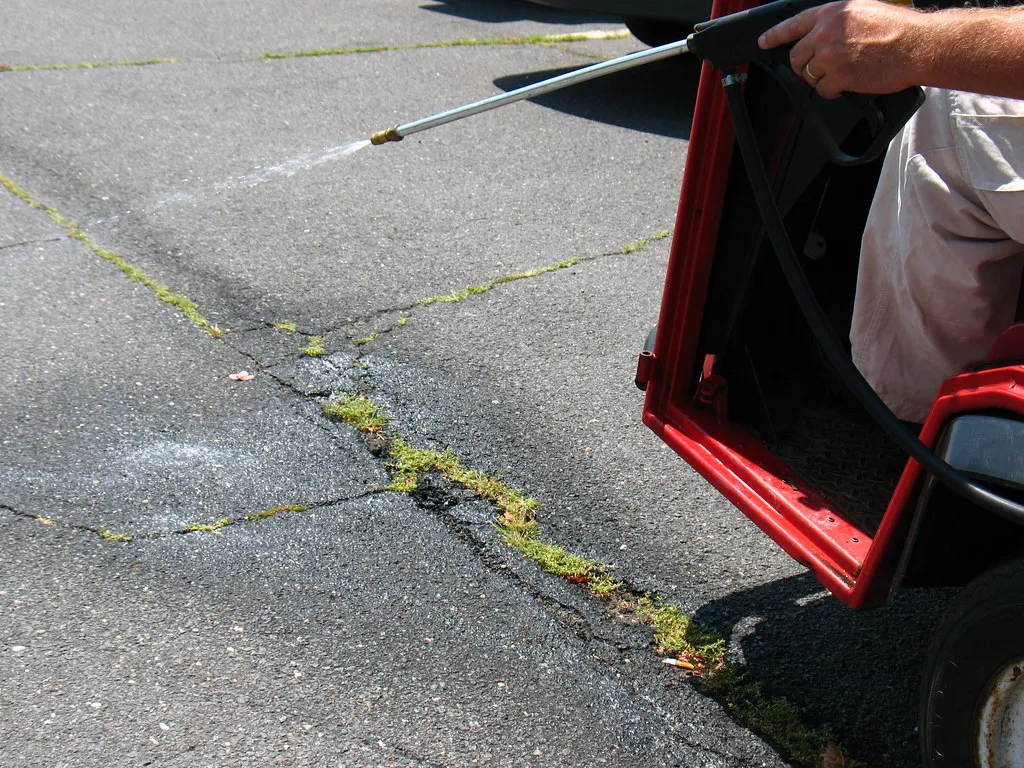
(653, 98)
(499, 11)
(855, 672)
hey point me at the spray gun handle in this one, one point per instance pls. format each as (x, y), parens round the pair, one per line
(731, 41)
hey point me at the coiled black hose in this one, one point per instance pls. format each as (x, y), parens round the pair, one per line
(826, 336)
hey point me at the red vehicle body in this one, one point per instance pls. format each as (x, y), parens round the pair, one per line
(737, 387)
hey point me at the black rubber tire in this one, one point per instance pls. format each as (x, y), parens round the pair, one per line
(655, 32)
(981, 634)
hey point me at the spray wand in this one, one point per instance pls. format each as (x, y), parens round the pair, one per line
(399, 132)
(728, 43)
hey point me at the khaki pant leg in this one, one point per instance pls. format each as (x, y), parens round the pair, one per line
(941, 255)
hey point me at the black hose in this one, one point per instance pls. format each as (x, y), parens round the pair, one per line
(826, 336)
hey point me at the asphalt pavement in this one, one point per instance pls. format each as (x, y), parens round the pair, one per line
(200, 568)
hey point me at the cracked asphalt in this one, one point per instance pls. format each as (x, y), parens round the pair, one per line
(350, 626)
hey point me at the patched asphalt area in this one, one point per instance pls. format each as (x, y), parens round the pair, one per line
(119, 415)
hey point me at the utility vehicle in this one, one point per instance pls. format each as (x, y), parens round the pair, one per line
(748, 379)
(654, 22)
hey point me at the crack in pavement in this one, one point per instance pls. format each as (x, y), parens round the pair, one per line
(254, 517)
(468, 292)
(549, 41)
(37, 241)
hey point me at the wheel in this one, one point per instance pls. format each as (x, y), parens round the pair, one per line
(972, 695)
(655, 32)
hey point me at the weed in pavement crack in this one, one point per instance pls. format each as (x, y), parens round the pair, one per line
(679, 640)
(72, 229)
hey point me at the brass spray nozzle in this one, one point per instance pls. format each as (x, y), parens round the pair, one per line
(382, 137)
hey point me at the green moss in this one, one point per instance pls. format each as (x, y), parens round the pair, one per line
(108, 535)
(86, 65)
(367, 339)
(283, 325)
(314, 347)
(776, 719)
(276, 511)
(605, 586)
(641, 244)
(675, 633)
(358, 410)
(516, 521)
(474, 290)
(527, 40)
(195, 527)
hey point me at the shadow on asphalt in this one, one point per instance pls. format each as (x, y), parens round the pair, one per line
(499, 11)
(653, 98)
(856, 672)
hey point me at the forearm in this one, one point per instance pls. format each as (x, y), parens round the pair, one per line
(980, 50)
(875, 47)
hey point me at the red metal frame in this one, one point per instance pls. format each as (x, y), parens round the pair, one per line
(857, 567)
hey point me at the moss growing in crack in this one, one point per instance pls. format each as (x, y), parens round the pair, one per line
(196, 527)
(641, 244)
(86, 65)
(528, 40)
(284, 325)
(108, 535)
(367, 339)
(474, 290)
(604, 586)
(776, 719)
(675, 633)
(358, 410)
(402, 321)
(314, 347)
(71, 228)
(517, 521)
(276, 511)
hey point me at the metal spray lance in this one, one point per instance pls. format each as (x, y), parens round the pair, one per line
(727, 41)
(399, 132)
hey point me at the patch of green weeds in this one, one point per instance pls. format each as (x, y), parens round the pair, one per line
(474, 290)
(358, 410)
(107, 535)
(402, 321)
(71, 228)
(314, 347)
(776, 719)
(641, 244)
(276, 511)
(284, 325)
(196, 527)
(772, 717)
(604, 586)
(527, 40)
(517, 520)
(675, 633)
(367, 339)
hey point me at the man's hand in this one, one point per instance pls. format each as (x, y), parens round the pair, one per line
(853, 45)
